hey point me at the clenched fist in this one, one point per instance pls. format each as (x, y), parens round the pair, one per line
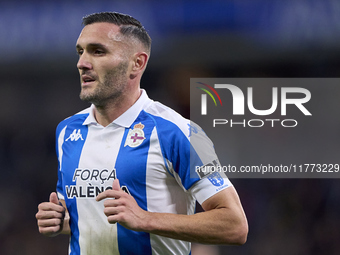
(50, 216)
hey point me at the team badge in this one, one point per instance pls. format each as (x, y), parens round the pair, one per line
(135, 136)
(216, 179)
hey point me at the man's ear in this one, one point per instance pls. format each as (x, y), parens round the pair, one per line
(139, 64)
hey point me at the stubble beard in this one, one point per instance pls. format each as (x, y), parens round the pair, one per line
(110, 90)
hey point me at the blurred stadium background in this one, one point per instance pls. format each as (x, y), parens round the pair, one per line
(246, 38)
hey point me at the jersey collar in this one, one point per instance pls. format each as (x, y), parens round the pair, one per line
(128, 117)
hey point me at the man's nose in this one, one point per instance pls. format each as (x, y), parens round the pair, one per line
(84, 62)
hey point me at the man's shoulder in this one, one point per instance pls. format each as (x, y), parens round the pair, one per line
(76, 119)
(172, 125)
(166, 117)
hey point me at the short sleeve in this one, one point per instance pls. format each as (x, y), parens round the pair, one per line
(209, 186)
(205, 165)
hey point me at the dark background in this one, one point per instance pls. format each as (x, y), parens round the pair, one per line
(40, 86)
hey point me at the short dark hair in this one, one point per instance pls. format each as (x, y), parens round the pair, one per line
(129, 26)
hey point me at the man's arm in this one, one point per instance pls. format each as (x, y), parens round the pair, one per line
(66, 230)
(222, 222)
(52, 217)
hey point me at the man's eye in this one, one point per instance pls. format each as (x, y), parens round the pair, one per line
(80, 52)
(99, 52)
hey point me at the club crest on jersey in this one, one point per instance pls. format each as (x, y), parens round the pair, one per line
(135, 136)
(216, 179)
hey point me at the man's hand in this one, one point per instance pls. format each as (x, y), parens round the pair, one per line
(123, 208)
(50, 216)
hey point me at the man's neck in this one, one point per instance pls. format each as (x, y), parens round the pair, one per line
(111, 110)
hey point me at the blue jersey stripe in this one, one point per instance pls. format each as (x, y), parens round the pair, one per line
(70, 161)
(132, 162)
(177, 149)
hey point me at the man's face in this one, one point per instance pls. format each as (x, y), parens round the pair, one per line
(103, 63)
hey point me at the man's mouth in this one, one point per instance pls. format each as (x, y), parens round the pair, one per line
(86, 79)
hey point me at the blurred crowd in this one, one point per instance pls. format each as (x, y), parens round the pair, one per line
(286, 216)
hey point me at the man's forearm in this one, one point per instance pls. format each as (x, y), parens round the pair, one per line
(66, 224)
(222, 222)
(220, 225)
(212, 227)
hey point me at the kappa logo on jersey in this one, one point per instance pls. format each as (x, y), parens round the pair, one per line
(192, 129)
(135, 136)
(75, 136)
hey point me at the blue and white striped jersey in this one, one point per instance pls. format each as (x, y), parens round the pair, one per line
(148, 149)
